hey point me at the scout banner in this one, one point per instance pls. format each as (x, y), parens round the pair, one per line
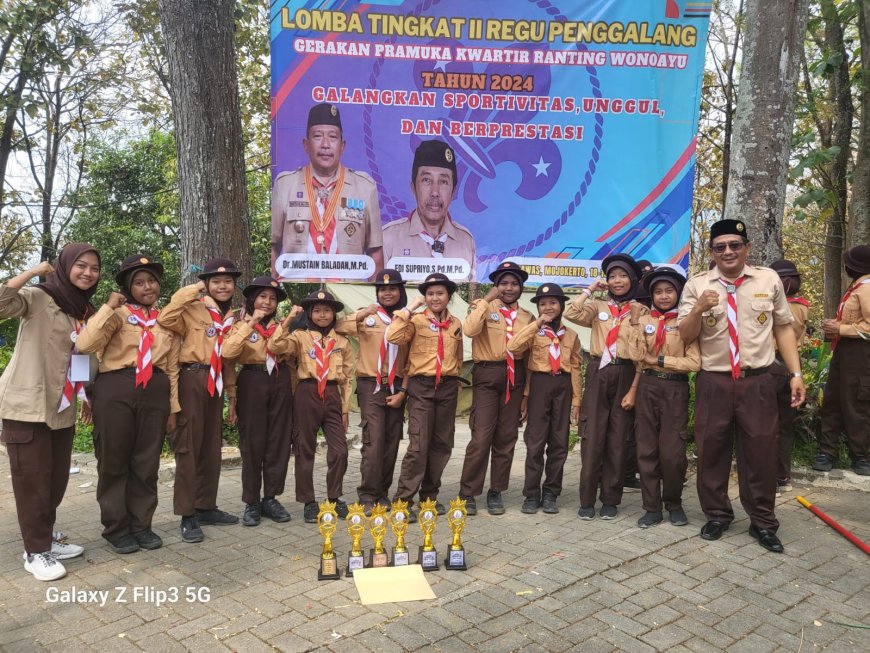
(569, 125)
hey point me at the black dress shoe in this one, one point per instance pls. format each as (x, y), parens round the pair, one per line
(494, 503)
(767, 539)
(470, 505)
(713, 530)
(215, 517)
(148, 539)
(123, 544)
(272, 508)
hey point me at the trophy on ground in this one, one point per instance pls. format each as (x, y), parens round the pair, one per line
(327, 521)
(399, 524)
(356, 527)
(428, 556)
(456, 516)
(378, 527)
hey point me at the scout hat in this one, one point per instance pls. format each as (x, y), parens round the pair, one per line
(509, 267)
(785, 268)
(645, 266)
(728, 227)
(219, 266)
(437, 279)
(323, 114)
(858, 259)
(134, 263)
(389, 277)
(651, 278)
(549, 290)
(434, 153)
(625, 262)
(258, 283)
(321, 297)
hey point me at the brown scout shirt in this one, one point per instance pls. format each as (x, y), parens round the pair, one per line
(358, 230)
(856, 312)
(486, 326)
(402, 238)
(761, 304)
(595, 314)
(415, 329)
(370, 333)
(533, 339)
(110, 335)
(341, 361)
(679, 357)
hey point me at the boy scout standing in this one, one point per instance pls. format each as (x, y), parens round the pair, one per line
(736, 312)
(499, 380)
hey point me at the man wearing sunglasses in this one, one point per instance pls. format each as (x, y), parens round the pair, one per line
(736, 312)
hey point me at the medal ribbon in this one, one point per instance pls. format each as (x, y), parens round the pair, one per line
(323, 225)
(387, 349)
(71, 389)
(660, 330)
(555, 349)
(266, 334)
(842, 305)
(322, 354)
(215, 378)
(618, 315)
(144, 368)
(509, 317)
(733, 338)
(439, 358)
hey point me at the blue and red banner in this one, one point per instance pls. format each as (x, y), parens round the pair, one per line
(573, 124)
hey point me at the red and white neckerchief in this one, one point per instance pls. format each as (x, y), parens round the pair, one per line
(322, 202)
(509, 317)
(221, 327)
(72, 389)
(842, 305)
(144, 367)
(389, 350)
(322, 351)
(798, 300)
(733, 337)
(660, 329)
(266, 334)
(555, 349)
(618, 314)
(436, 243)
(439, 358)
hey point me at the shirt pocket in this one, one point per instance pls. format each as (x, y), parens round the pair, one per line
(298, 223)
(713, 319)
(762, 311)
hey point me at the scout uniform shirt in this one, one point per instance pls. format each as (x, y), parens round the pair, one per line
(357, 217)
(113, 335)
(408, 237)
(761, 304)
(301, 345)
(799, 311)
(487, 327)
(370, 333)
(534, 339)
(595, 313)
(422, 334)
(680, 358)
(855, 322)
(246, 346)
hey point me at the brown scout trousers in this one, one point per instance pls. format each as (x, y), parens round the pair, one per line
(494, 427)
(381, 433)
(846, 405)
(39, 462)
(129, 427)
(787, 416)
(197, 443)
(661, 420)
(604, 429)
(741, 412)
(264, 404)
(549, 421)
(431, 426)
(311, 413)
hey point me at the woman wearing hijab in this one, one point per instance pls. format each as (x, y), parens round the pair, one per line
(135, 400)
(38, 392)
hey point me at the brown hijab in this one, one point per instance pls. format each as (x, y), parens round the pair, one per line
(72, 301)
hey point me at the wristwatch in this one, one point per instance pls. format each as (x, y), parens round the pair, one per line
(796, 375)
(661, 361)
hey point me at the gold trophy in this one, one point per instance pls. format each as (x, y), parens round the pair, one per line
(356, 527)
(378, 527)
(456, 516)
(327, 521)
(399, 524)
(428, 556)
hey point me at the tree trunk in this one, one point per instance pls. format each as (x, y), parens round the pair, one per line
(859, 223)
(763, 124)
(208, 132)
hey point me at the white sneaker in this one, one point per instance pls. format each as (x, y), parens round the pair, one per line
(43, 566)
(63, 550)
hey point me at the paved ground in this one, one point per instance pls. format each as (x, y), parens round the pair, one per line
(535, 583)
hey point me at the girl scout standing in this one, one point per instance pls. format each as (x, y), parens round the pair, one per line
(201, 314)
(611, 385)
(555, 389)
(38, 393)
(380, 374)
(662, 411)
(135, 400)
(262, 399)
(434, 360)
(324, 363)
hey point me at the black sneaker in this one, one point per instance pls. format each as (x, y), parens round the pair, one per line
(650, 519)
(861, 467)
(822, 462)
(607, 512)
(272, 508)
(215, 517)
(190, 530)
(470, 504)
(123, 544)
(340, 508)
(251, 517)
(678, 517)
(148, 539)
(586, 513)
(531, 505)
(548, 503)
(309, 512)
(494, 504)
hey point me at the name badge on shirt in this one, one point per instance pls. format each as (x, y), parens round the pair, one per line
(649, 328)
(603, 316)
(79, 368)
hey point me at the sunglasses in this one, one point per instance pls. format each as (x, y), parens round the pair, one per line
(734, 246)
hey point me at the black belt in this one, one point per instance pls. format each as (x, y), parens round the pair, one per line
(133, 369)
(315, 381)
(755, 371)
(615, 361)
(667, 376)
(256, 367)
(431, 379)
(195, 366)
(517, 363)
(374, 379)
(559, 373)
